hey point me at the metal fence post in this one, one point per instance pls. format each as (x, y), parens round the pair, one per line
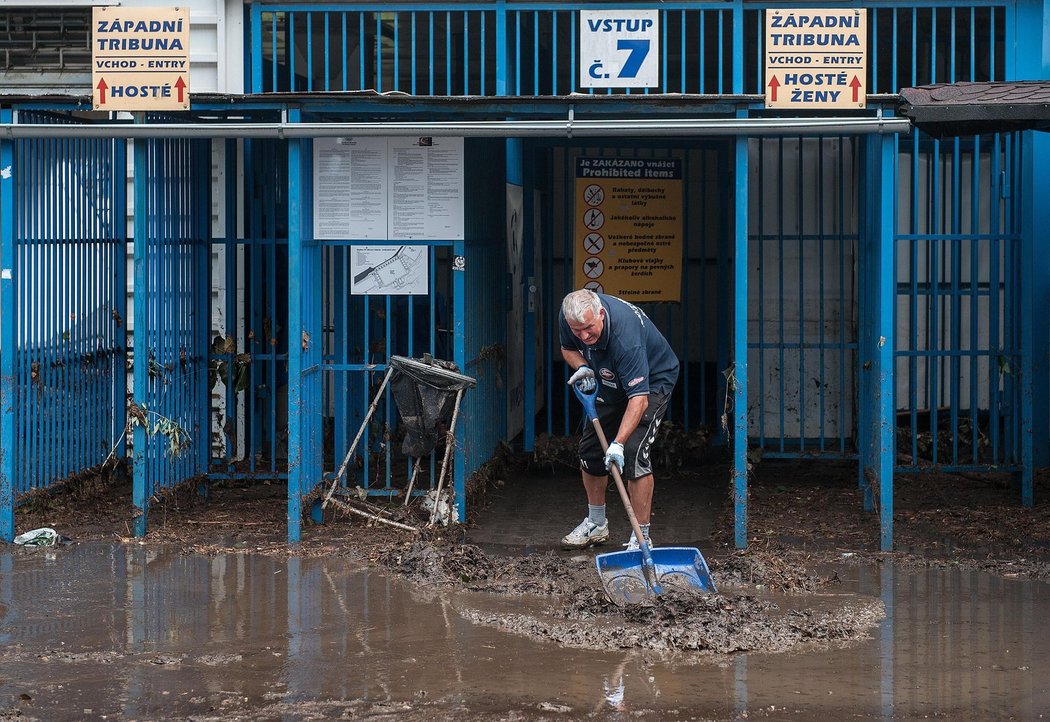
(140, 483)
(295, 328)
(8, 400)
(739, 386)
(884, 337)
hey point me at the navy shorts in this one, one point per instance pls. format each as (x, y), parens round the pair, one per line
(636, 461)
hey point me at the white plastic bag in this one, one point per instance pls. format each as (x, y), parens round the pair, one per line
(42, 537)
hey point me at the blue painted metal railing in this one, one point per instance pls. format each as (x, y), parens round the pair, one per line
(64, 342)
(958, 255)
(531, 49)
(803, 344)
(172, 311)
(471, 49)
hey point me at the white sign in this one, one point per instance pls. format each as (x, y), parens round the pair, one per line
(140, 58)
(388, 188)
(619, 48)
(816, 58)
(426, 188)
(389, 271)
(350, 188)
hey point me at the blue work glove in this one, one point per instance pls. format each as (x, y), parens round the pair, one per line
(614, 455)
(584, 378)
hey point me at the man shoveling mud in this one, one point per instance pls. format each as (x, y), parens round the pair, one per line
(612, 343)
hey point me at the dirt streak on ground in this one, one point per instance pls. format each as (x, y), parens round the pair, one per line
(802, 516)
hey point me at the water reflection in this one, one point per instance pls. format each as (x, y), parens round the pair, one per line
(144, 633)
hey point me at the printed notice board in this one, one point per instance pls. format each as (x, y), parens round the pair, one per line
(140, 58)
(816, 58)
(374, 188)
(628, 227)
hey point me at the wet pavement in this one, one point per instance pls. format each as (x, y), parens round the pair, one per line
(103, 631)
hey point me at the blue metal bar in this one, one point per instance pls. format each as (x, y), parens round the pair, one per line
(430, 52)
(820, 294)
(761, 212)
(140, 382)
(936, 273)
(740, 318)
(995, 285)
(1030, 20)
(975, 220)
(344, 55)
(781, 308)
(459, 354)
(327, 54)
(290, 42)
(296, 211)
(886, 293)
(8, 390)
(799, 148)
(1025, 168)
(395, 52)
(843, 356)
(255, 23)
(414, 45)
(737, 42)
(362, 44)
(309, 54)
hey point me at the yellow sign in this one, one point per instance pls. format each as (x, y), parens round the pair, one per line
(816, 58)
(629, 227)
(140, 58)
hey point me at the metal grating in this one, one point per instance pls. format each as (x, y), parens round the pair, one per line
(45, 39)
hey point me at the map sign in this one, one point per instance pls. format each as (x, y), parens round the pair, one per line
(389, 271)
(629, 230)
(140, 58)
(816, 58)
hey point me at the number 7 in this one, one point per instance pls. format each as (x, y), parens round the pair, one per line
(638, 49)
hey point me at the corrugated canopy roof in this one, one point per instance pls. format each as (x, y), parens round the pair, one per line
(972, 108)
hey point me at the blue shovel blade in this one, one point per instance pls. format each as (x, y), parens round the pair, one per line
(624, 579)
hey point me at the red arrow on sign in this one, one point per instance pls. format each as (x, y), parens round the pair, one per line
(180, 84)
(855, 84)
(774, 84)
(101, 91)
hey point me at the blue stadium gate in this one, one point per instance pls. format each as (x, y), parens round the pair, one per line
(853, 288)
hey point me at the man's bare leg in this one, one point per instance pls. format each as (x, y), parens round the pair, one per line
(641, 492)
(595, 486)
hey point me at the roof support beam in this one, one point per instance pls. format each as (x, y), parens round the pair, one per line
(569, 128)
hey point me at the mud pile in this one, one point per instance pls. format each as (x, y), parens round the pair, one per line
(560, 599)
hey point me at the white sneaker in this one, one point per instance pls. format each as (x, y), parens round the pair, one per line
(585, 535)
(633, 545)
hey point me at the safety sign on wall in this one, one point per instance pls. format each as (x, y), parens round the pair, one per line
(628, 229)
(388, 188)
(619, 48)
(816, 58)
(140, 58)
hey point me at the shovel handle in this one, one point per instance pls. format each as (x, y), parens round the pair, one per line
(615, 471)
(649, 567)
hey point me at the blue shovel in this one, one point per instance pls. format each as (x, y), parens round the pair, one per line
(630, 576)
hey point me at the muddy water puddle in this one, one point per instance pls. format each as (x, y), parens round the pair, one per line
(95, 631)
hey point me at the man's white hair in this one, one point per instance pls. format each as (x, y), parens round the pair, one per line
(578, 303)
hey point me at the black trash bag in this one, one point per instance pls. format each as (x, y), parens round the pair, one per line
(425, 393)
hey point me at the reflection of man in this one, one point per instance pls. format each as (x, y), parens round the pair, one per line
(613, 344)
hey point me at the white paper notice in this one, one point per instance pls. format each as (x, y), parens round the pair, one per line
(388, 188)
(350, 188)
(426, 188)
